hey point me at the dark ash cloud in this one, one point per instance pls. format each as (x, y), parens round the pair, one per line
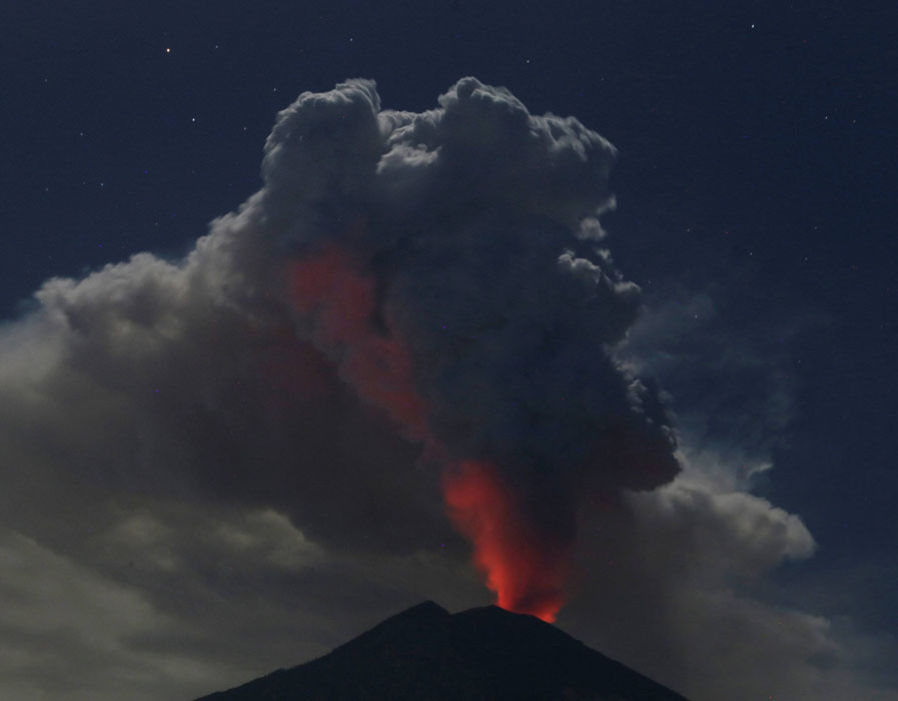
(233, 447)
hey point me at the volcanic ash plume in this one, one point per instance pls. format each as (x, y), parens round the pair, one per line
(449, 263)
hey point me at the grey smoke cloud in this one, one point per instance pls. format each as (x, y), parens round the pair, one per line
(202, 439)
(207, 376)
(470, 219)
(679, 579)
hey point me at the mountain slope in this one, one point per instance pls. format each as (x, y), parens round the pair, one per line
(484, 653)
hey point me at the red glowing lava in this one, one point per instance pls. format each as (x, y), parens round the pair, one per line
(525, 568)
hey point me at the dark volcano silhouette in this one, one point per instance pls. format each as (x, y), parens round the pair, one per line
(425, 653)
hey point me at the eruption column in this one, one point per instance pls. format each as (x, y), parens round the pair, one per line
(465, 299)
(524, 567)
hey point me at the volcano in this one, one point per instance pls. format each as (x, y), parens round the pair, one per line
(483, 653)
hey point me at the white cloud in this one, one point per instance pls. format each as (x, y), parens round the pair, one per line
(68, 632)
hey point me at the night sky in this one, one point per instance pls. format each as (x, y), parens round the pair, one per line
(755, 188)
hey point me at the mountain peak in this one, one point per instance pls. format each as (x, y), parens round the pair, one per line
(481, 653)
(425, 610)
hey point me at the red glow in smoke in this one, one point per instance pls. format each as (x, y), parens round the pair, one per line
(330, 289)
(523, 566)
(526, 572)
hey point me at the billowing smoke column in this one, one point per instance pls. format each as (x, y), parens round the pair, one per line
(450, 264)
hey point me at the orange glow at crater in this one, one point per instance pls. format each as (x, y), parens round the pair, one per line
(523, 567)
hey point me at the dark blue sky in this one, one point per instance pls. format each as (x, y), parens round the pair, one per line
(756, 170)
